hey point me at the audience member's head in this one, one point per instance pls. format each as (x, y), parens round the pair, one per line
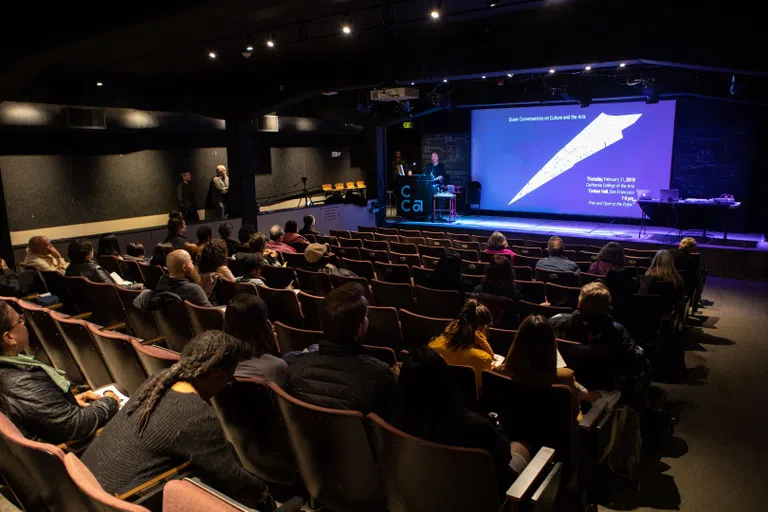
(175, 214)
(212, 256)
(109, 245)
(160, 253)
(688, 244)
(14, 337)
(257, 243)
(252, 264)
(276, 233)
(225, 230)
(193, 250)
(186, 176)
(499, 270)
(594, 299)
(663, 268)
(497, 242)
(316, 254)
(291, 226)
(40, 245)
(344, 314)
(533, 353)
(472, 317)
(245, 232)
(181, 266)
(612, 253)
(448, 270)
(176, 226)
(555, 246)
(246, 320)
(221, 171)
(80, 251)
(309, 221)
(208, 363)
(204, 235)
(135, 249)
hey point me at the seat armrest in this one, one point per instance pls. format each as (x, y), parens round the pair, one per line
(532, 472)
(158, 480)
(81, 316)
(114, 327)
(153, 340)
(599, 407)
(77, 446)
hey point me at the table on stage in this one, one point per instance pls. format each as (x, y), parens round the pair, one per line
(685, 215)
(414, 196)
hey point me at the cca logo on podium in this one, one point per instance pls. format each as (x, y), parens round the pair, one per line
(405, 204)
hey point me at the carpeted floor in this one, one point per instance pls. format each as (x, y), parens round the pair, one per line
(718, 458)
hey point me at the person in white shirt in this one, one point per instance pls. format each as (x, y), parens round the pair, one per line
(43, 256)
(221, 189)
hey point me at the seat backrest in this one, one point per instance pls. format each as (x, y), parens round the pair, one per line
(359, 267)
(525, 261)
(316, 283)
(256, 431)
(596, 365)
(121, 360)
(322, 239)
(533, 252)
(561, 278)
(423, 276)
(21, 482)
(437, 303)
(412, 260)
(421, 475)
(429, 262)
(297, 246)
(465, 383)
(396, 295)
(376, 245)
(387, 237)
(529, 243)
(342, 280)
(131, 270)
(387, 231)
(294, 259)
(435, 251)
(473, 268)
(383, 328)
(203, 319)
(81, 300)
(500, 340)
(503, 310)
(110, 264)
(464, 237)
(526, 309)
(141, 323)
(333, 453)
(563, 296)
(366, 229)
(282, 306)
(339, 233)
(403, 248)
(57, 285)
(438, 242)
(351, 253)
(78, 338)
(412, 240)
(152, 275)
(154, 358)
(392, 272)
(350, 242)
(173, 323)
(585, 278)
(433, 234)
(374, 256)
(291, 339)
(466, 245)
(410, 232)
(587, 255)
(311, 307)
(523, 273)
(362, 235)
(91, 492)
(277, 277)
(533, 291)
(418, 330)
(468, 254)
(105, 304)
(194, 496)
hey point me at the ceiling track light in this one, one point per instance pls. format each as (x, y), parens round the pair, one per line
(270, 41)
(212, 54)
(623, 65)
(99, 84)
(434, 9)
(493, 3)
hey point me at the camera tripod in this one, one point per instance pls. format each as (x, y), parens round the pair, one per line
(305, 195)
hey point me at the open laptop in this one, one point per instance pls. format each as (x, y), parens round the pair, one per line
(643, 194)
(669, 195)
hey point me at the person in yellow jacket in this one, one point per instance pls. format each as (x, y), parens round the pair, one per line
(464, 342)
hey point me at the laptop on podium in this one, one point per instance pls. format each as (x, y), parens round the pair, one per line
(671, 195)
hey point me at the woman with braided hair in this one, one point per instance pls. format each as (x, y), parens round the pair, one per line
(168, 422)
(464, 342)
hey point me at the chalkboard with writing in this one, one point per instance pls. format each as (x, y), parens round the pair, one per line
(453, 149)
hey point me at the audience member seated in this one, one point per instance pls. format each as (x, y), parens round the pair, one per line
(251, 265)
(276, 235)
(37, 398)
(318, 259)
(225, 232)
(500, 279)
(555, 262)
(169, 422)
(592, 324)
(447, 274)
(109, 245)
(80, 254)
(181, 283)
(176, 229)
(340, 374)
(258, 245)
(160, 254)
(292, 233)
(204, 235)
(245, 233)
(662, 270)
(246, 320)
(134, 251)
(683, 257)
(532, 359)
(464, 341)
(497, 244)
(309, 226)
(611, 257)
(213, 265)
(13, 284)
(43, 256)
(193, 250)
(430, 408)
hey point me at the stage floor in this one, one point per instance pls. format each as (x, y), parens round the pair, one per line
(654, 235)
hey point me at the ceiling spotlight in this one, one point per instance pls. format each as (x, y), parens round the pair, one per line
(99, 84)
(346, 29)
(587, 68)
(435, 14)
(483, 77)
(413, 83)
(435, 9)
(445, 80)
(270, 43)
(211, 55)
(493, 3)
(510, 75)
(623, 65)
(551, 70)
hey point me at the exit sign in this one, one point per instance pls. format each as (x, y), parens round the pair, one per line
(407, 125)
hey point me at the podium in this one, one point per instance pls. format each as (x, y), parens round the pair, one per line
(414, 196)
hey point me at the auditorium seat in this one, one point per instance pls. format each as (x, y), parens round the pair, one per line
(587, 256)
(154, 358)
(463, 237)
(141, 323)
(472, 281)
(316, 283)
(110, 264)
(527, 308)
(396, 295)
(92, 493)
(392, 272)
(500, 340)
(374, 256)
(333, 453)
(410, 232)
(563, 296)
(293, 260)
(638, 262)
(322, 239)
(383, 354)
(350, 242)
(465, 245)
(415, 240)
(119, 357)
(339, 233)
(533, 291)
(434, 251)
(526, 261)
(203, 319)
(131, 270)
(486, 257)
(297, 246)
(383, 328)
(77, 336)
(311, 308)
(571, 255)
(376, 245)
(361, 268)
(277, 277)
(531, 252)
(419, 330)
(429, 262)
(173, 323)
(387, 238)
(283, 306)
(351, 253)
(412, 260)
(59, 286)
(437, 303)
(291, 339)
(423, 276)
(465, 384)
(586, 278)
(152, 275)
(310, 238)
(362, 235)
(404, 247)
(644, 320)
(595, 365)
(79, 299)
(433, 234)
(191, 495)
(438, 242)
(19, 486)
(366, 229)
(640, 253)
(561, 278)
(503, 310)
(363, 282)
(583, 265)
(467, 254)
(105, 305)
(523, 273)
(387, 231)
(473, 267)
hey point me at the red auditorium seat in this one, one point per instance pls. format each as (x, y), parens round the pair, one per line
(376, 245)
(316, 283)
(437, 303)
(291, 339)
(224, 290)
(203, 319)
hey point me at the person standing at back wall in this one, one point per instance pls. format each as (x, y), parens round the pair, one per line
(185, 194)
(220, 190)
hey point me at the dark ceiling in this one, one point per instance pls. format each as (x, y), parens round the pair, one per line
(155, 55)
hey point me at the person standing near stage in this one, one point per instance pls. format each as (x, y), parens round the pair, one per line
(186, 197)
(399, 164)
(220, 190)
(436, 168)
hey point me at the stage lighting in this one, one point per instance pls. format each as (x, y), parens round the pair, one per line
(99, 84)
(445, 80)
(270, 43)
(651, 93)
(483, 77)
(435, 9)
(211, 54)
(346, 29)
(588, 68)
(435, 14)
(551, 71)
(493, 3)
(413, 83)
(623, 65)
(510, 75)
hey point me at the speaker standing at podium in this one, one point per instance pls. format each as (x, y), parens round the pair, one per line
(436, 169)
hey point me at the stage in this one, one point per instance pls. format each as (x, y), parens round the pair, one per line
(741, 256)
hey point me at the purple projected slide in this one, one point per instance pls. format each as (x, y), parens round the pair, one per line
(572, 160)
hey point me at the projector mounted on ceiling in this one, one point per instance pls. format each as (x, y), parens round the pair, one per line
(395, 94)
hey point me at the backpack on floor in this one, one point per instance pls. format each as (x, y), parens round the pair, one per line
(622, 442)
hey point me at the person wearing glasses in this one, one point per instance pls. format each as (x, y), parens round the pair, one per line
(37, 398)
